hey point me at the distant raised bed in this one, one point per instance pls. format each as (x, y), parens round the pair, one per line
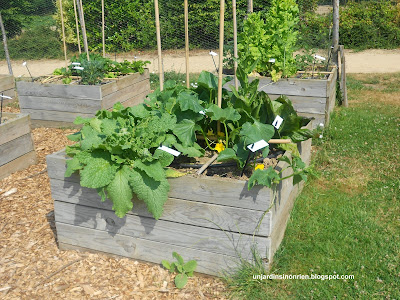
(210, 219)
(57, 105)
(7, 87)
(16, 144)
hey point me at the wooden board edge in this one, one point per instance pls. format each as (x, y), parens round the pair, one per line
(18, 164)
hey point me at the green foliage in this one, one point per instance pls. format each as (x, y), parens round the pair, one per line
(373, 24)
(183, 269)
(270, 36)
(314, 31)
(97, 68)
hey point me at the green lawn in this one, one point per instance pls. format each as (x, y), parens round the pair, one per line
(347, 220)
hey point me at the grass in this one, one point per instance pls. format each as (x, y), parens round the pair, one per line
(347, 220)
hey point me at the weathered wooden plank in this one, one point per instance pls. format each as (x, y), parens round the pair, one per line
(207, 262)
(58, 90)
(126, 93)
(136, 99)
(317, 118)
(200, 214)
(18, 164)
(53, 124)
(14, 128)
(185, 235)
(15, 148)
(314, 105)
(88, 106)
(6, 82)
(124, 82)
(51, 115)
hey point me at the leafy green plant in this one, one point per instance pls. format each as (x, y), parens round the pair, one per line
(185, 270)
(267, 41)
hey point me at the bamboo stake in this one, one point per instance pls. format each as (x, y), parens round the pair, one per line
(77, 28)
(82, 19)
(102, 28)
(3, 31)
(187, 41)
(63, 33)
(157, 15)
(235, 49)
(221, 54)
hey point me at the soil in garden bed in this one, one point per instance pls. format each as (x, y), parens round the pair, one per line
(227, 169)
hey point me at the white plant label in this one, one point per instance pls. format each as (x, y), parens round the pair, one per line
(319, 57)
(272, 60)
(79, 68)
(24, 63)
(257, 145)
(212, 53)
(202, 112)
(5, 97)
(277, 122)
(169, 150)
(76, 63)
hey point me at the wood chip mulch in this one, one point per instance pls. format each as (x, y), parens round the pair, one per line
(32, 266)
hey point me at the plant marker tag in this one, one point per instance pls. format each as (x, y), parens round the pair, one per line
(76, 63)
(257, 145)
(277, 122)
(202, 112)
(5, 97)
(24, 63)
(169, 150)
(78, 68)
(212, 53)
(272, 60)
(319, 57)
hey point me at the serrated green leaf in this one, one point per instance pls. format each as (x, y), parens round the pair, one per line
(186, 131)
(102, 194)
(153, 169)
(79, 120)
(163, 157)
(73, 165)
(190, 151)
(120, 193)
(152, 192)
(256, 131)
(99, 170)
(222, 114)
(139, 111)
(297, 178)
(190, 266)
(75, 137)
(291, 147)
(188, 100)
(171, 173)
(263, 177)
(181, 280)
(96, 124)
(227, 154)
(91, 139)
(285, 159)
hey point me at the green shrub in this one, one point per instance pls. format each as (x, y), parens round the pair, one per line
(373, 24)
(314, 31)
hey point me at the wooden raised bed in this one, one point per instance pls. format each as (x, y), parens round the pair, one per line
(311, 98)
(211, 220)
(57, 105)
(16, 144)
(7, 87)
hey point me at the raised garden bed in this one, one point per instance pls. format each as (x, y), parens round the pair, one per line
(57, 105)
(16, 144)
(7, 87)
(311, 97)
(209, 219)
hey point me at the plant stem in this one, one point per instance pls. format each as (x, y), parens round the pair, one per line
(226, 134)
(206, 139)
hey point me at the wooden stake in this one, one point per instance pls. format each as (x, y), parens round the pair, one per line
(221, 50)
(235, 49)
(63, 33)
(157, 15)
(77, 28)
(82, 20)
(187, 41)
(335, 33)
(102, 28)
(3, 32)
(343, 86)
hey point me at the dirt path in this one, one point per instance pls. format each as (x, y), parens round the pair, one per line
(369, 61)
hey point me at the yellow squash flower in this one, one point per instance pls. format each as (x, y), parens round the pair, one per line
(210, 132)
(219, 147)
(259, 167)
(221, 134)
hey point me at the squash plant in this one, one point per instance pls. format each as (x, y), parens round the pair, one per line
(117, 152)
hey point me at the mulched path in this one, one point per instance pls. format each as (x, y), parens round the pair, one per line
(32, 266)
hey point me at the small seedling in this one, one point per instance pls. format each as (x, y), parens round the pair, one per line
(185, 270)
